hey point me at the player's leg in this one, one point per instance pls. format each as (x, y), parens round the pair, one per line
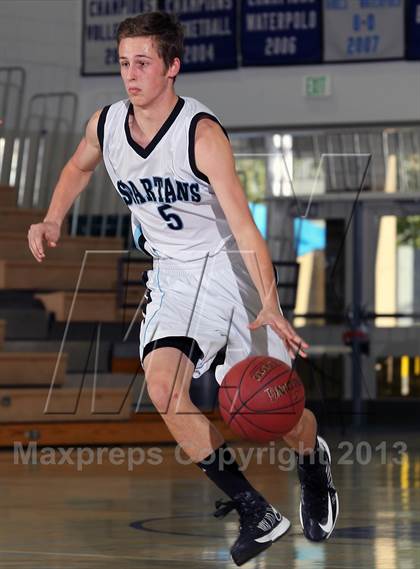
(175, 342)
(319, 502)
(302, 438)
(175, 314)
(168, 373)
(319, 499)
(170, 355)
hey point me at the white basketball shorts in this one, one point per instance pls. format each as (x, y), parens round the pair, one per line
(203, 307)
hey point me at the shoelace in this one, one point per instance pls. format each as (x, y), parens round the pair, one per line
(223, 508)
(250, 509)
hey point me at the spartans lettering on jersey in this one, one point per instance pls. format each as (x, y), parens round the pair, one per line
(156, 189)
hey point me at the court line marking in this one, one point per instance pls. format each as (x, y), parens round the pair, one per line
(66, 554)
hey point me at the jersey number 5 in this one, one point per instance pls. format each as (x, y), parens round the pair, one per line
(173, 221)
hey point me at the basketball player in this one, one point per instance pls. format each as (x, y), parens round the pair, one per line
(171, 162)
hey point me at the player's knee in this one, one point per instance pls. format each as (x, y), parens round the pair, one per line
(163, 392)
(298, 429)
(307, 421)
(159, 392)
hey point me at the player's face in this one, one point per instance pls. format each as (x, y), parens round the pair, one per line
(143, 70)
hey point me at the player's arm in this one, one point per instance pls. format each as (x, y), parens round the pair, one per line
(215, 159)
(73, 180)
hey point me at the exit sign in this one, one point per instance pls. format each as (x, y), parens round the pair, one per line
(316, 86)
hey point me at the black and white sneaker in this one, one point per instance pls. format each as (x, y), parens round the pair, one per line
(260, 524)
(319, 498)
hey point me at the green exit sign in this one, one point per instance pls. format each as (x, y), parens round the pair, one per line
(316, 86)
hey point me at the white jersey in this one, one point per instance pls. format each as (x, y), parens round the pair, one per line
(201, 307)
(174, 210)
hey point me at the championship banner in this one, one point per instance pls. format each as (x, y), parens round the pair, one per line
(100, 22)
(356, 30)
(413, 29)
(281, 32)
(210, 33)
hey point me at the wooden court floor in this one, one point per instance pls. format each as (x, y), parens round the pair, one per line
(159, 515)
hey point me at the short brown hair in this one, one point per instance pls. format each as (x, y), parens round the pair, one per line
(163, 27)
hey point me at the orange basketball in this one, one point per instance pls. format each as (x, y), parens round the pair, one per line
(261, 398)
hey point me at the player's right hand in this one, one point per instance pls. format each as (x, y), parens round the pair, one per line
(47, 231)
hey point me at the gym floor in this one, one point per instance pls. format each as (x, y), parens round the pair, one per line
(159, 513)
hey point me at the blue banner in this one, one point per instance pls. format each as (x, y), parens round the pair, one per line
(280, 33)
(413, 29)
(101, 19)
(210, 33)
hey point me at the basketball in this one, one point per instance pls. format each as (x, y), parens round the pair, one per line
(261, 398)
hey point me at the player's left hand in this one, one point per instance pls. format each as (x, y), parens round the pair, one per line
(295, 345)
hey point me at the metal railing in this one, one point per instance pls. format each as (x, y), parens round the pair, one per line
(45, 144)
(12, 89)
